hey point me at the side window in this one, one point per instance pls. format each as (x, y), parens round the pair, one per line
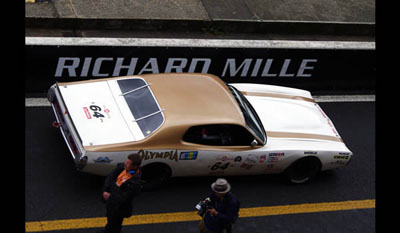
(218, 135)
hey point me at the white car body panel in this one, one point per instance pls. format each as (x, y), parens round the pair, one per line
(294, 116)
(118, 124)
(288, 115)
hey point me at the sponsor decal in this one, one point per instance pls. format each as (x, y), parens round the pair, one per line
(87, 113)
(190, 155)
(224, 158)
(279, 154)
(262, 158)
(339, 162)
(238, 159)
(344, 153)
(341, 157)
(249, 162)
(273, 157)
(102, 160)
(310, 152)
(171, 155)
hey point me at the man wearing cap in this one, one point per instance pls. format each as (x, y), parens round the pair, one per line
(120, 186)
(225, 209)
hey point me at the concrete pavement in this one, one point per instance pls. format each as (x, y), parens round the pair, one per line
(355, 17)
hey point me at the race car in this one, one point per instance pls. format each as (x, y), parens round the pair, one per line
(191, 124)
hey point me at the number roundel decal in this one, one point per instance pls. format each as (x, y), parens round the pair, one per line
(95, 111)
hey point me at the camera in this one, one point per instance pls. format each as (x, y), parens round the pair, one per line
(203, 206)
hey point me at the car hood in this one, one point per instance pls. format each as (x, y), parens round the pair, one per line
(289, 112)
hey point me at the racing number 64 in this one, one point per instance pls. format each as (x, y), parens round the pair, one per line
(96, 111)
(218, 166)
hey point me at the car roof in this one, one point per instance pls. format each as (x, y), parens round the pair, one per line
(187, 99)
(195, 99)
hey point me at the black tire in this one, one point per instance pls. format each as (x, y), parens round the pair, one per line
(303, 169)
(155, 175)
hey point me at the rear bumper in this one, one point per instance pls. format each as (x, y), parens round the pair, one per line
(66, 126)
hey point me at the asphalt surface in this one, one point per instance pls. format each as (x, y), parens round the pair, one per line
(54, 190)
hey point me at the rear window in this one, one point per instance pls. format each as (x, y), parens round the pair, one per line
(142, 104)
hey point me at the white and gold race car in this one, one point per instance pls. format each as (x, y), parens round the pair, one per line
(186, 124)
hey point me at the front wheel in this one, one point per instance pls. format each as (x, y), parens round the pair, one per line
(303, 169)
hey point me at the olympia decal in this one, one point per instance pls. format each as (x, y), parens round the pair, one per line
(171, 155)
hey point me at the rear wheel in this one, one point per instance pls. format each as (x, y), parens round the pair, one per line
(155, 176)
(303, 169)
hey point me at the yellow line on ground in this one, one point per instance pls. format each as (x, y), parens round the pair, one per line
(66, 224)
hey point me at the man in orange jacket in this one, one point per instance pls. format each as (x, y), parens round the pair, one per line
(119, 189)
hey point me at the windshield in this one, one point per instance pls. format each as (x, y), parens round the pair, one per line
(253, 122)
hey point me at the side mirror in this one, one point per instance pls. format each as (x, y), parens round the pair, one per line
(254, 143)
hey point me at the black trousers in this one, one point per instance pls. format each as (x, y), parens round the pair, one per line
(114, 223)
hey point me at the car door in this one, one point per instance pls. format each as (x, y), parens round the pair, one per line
(224, 149)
